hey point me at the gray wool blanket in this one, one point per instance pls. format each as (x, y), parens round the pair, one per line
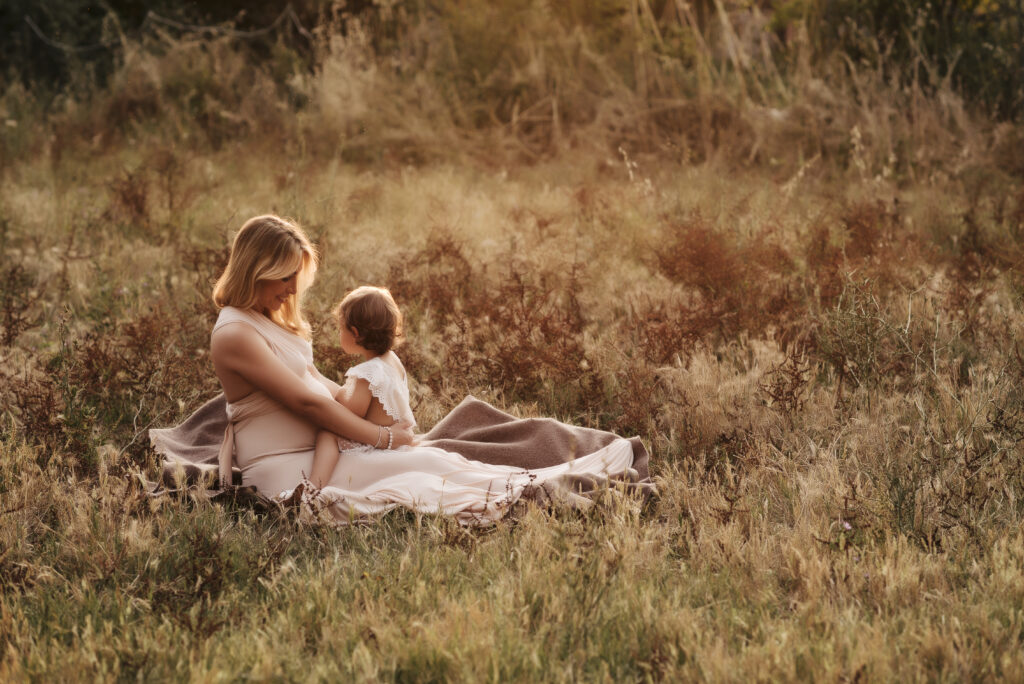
(474, 429)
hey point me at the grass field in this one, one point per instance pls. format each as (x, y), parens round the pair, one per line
(801, 287)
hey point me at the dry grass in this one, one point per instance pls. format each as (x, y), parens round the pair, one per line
(807, 301)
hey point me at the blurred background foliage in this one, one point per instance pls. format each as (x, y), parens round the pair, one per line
(90, 36)
(975, 43)
(972, 45)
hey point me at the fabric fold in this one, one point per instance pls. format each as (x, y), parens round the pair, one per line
(473, 429)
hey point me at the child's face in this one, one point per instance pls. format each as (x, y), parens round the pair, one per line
(348, 341)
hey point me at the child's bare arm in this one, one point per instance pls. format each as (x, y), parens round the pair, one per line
(355, 395)
(325, 458)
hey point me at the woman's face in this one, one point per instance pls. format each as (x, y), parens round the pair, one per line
(271, 294)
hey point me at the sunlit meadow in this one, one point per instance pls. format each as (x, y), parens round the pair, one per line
(798, 280)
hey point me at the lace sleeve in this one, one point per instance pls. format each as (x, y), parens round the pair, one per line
(385, 387)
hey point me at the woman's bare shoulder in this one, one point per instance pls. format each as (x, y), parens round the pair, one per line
(233, 331)
(231, 339)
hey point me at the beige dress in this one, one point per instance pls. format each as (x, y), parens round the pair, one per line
(273, 448)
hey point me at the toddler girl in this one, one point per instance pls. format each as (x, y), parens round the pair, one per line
(377, 389)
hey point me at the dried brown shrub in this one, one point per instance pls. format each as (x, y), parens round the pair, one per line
(824, 262)
(774, 305)
(522, 333)
(131, 97)
(869, 227)
(19, 296)
(870, 243)
(519, 330)
(721, 457)
(129, 197)
(204, 264)
(170, 167)
(987, 247)
(707, 126)
(869, 341)
(108, 385)
(785, 384)
(954, 461)
(663, 329)
(965, 303)
(438, 277)
(634, 406)
(698, 256)
(34, 403)
(1015, 217)
(736, 287)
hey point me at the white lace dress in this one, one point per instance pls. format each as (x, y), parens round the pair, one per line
(389, 386)
(274, 450)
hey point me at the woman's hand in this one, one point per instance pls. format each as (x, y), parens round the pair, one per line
(403, 435)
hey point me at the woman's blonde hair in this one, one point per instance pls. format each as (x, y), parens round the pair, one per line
(374, 315)
(268, 248)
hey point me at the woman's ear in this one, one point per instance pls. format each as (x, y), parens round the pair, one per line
(354, 330)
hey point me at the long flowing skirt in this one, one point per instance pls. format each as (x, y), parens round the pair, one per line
(474, 465)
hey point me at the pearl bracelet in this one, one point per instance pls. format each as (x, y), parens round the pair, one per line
(391, 437)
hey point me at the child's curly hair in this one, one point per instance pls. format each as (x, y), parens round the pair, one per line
(374, 316)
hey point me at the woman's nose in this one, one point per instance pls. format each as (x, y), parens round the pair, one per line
(292, 286)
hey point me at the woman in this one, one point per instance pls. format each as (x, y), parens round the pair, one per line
(474, 469)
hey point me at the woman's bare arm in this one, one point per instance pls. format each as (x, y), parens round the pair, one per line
(331, 386)
(238, 352)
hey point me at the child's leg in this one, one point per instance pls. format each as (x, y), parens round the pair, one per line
(325, 458)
